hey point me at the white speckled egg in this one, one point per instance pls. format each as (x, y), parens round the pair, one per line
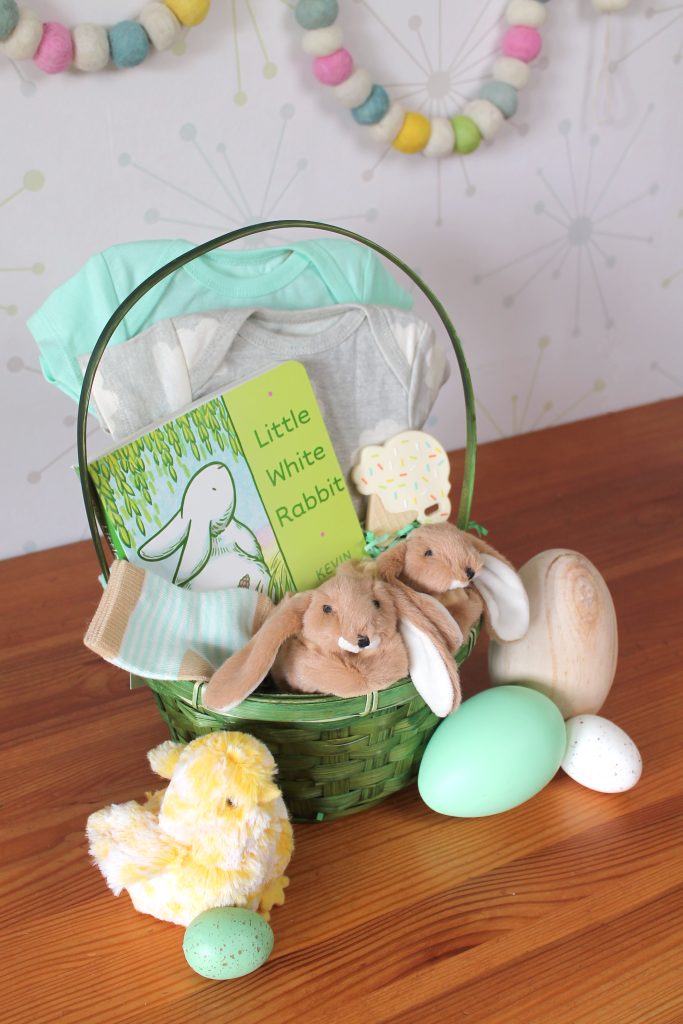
(600, 755)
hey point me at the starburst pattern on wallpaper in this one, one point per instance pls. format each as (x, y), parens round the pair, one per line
(226, 172)
(526, 414)
(32, 181)
(443, 66)
(27, 87)
(35, 475)
(57, 460)
(665, 16)
(670, 278)
(17, 364)
(669, 375)
(240, 11)
(585, 232)
(53, 440)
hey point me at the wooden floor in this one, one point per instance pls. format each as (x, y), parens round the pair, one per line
(566, 910)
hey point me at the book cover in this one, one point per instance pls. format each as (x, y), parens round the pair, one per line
(243, 489)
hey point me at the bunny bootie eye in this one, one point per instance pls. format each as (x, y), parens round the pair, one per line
(327, 608)
(428, 553)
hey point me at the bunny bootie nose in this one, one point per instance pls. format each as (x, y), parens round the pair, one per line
(364, 644)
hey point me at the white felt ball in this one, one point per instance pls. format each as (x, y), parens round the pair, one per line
(610, 6)
(442, 138)
(91, 47)
(23, 42)
(161, 25)
(355, 90)
(487, 117)
(319, 42)
(511, 71)
(388, 128)
(525, 12)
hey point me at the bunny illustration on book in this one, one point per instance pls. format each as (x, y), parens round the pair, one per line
(213, 549)
(351, 635)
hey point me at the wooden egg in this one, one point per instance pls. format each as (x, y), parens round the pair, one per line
(570, 650)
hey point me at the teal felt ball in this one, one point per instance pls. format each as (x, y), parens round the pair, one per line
(373, 108)
(129, 44)
(9, 17)
(502, 95)
(497, 750)
(316, 13)
(227, 942)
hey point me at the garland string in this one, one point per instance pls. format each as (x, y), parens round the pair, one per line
(407, 130)
(54, 47)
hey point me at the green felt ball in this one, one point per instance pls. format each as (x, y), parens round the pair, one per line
(467, 135)
(502, 95)
(129, 44)
(9, 17)
(316, 13)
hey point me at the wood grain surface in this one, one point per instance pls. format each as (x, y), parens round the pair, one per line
(566, 910)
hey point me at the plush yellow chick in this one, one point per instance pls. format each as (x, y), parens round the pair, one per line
(218, 835)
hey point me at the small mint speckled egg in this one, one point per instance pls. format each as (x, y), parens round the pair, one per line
(227, 942)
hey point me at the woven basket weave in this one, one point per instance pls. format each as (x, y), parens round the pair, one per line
(335, 756)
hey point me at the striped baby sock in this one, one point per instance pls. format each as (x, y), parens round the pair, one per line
(152, 628)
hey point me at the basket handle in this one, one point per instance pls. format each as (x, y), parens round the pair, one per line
(87, 487)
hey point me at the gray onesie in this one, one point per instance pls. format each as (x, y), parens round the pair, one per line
(375, 370)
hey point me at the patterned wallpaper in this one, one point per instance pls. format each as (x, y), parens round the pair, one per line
(557, 248)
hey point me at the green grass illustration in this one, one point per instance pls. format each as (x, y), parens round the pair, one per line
(127, 490)
(280, 578)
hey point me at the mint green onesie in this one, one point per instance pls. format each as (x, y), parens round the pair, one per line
(299, 275)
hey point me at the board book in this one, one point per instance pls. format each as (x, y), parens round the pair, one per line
(243, 489)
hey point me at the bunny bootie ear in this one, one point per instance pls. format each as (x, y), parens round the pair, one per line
(244, 671)
(438, 687)
(506, 603)
(431, 638)
(391, 563)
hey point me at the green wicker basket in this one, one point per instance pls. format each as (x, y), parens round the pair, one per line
(335, 756)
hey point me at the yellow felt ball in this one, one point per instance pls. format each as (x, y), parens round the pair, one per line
(189, 12)
(414, 135)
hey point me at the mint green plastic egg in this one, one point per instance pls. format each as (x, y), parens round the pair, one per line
(227, 942)
(496, 751)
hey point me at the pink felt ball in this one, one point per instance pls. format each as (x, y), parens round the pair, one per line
(333, 69)
(522, 42)
(55, 50)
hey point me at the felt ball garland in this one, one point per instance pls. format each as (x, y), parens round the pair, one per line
(53, 47)
(407, 130)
